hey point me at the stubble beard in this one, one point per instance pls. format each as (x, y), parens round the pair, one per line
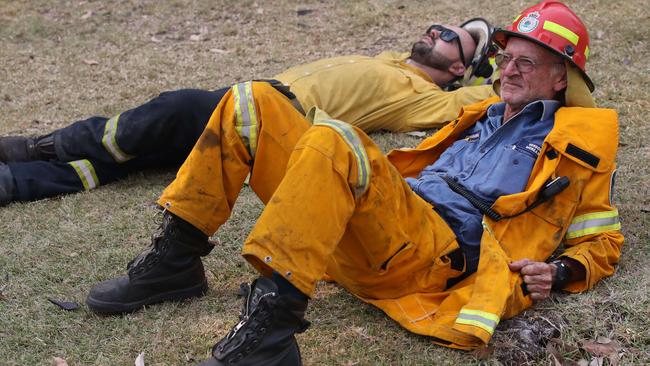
(424, 54)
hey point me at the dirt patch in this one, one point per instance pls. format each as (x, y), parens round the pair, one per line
(522, 340)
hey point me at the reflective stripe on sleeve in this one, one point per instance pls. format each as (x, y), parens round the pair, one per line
(484, 320)
(109, 141)
(561, 31)
(246, 115)
(86, 173)
(593, 223)
(354, 142)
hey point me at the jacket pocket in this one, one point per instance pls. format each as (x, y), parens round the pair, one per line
(396, 257)
(449, 265)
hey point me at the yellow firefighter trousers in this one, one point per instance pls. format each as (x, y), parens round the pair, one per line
(377, 238)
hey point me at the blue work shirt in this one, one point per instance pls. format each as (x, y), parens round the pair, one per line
(490, 159)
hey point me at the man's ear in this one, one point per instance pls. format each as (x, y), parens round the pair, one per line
(561, 80)
(457, 69)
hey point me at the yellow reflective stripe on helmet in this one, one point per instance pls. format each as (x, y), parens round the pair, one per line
(593, 223)
(484, 320)
(561, 31)
(352, 139)
(86, 173)
(110, 142)
(516, 18)
(586, 52)
(246, 115)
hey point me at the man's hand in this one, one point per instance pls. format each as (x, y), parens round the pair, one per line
(538, 277)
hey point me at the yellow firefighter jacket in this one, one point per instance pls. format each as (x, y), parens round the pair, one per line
(581, 146)
(375, 93)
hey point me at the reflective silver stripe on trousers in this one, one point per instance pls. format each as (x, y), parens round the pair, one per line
(109, 140)
(354, 142)
(246, 115)
(86, 173)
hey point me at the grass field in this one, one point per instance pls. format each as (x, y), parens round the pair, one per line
(61, 61)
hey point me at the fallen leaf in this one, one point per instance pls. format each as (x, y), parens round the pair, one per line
(603, 340)
(599, 34)
(416, 133)
(58, 361)
(601, 349)
(139, 361)
(87, 15)
(91, 62)
(155, 39)
(302, 12)
(583, 362)
(65, 305)
(483, 353)
(195, 37)
(218, 50)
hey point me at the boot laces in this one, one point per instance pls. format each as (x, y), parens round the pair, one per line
(150, 256)
(255, 320)
(247, 313)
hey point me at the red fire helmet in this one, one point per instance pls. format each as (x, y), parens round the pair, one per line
(555, 27)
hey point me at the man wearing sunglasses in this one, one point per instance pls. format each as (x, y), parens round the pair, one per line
(447, 238)
(393, 91)
(435, 51)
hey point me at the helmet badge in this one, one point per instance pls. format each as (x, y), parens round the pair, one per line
(529, 23)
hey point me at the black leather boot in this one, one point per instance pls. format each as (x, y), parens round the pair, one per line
(20, 148)
(169, 270)
(265, 334)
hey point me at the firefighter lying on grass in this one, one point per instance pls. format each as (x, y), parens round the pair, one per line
(447, 238)
(392, 91)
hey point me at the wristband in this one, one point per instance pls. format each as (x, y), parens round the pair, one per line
(562, 275)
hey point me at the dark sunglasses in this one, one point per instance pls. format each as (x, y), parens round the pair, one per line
(448, 36)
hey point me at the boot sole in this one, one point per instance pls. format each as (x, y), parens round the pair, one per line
(105, 307)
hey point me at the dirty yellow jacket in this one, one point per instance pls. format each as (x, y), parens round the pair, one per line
(378, 93)
(581, 220)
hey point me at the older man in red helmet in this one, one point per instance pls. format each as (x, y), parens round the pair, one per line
(447, 238)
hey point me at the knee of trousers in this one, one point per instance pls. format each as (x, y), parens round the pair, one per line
(254, 102)
(342, 143)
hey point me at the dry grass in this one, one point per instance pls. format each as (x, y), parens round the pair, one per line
(60, 247)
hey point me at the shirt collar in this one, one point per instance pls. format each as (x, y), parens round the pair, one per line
(540, 110)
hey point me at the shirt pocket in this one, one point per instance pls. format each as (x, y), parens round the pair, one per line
(527, 148)
(457, 155)
(507, 170)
